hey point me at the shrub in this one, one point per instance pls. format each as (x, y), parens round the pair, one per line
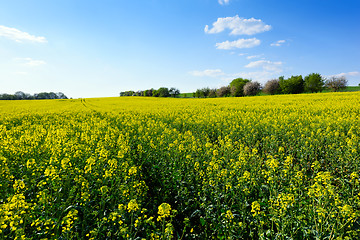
(139, 93)
(336, 83)
(252, 88)
(202, 93)
(223, 91)
(212, 93)
(149, 92)
(272, 87)
(126, 93)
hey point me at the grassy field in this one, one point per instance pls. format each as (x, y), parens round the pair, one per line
(352, 88)
(347, 89)
(186, 95)
(266, 167)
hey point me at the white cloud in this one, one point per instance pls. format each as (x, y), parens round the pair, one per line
(266, 65)
(34, 63)
(19, 36)
(348, 74)
(278, 43)
(238, 26)
(254, 56)
(260, 76)
(30, 62)
(267, 70)
(208, 73)
(241, 43)
(223, 2)
(353, 73)
(251, 57)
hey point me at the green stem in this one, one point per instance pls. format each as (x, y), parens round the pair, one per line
(132, 221)
(182, 235)
(163, 229)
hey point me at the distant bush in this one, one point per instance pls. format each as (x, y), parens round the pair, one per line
(272, 87)
(127, 93)
(252, 88)
(25, 96)
(148, 92)
(161, 92)
(212, 93)
(139, 93)
(336, 83)
(223, 91)
(202, 93)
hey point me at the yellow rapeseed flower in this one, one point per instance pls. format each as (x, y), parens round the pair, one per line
(164, 211)
(132, 206)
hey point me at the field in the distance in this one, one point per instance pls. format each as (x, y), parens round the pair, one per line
(268, 167)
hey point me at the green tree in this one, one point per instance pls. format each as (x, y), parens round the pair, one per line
(19, 95)
(197, 94)
(174, 92)
(122, 94)
(314, 83)
(61, 95)
(139, 93)
(148, 92)
(202, 93)
(292, 85)
(212, 93)
(237, 87)
(155, 93)
(162, 92)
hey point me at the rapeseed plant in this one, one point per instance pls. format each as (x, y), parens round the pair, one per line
(269, 167)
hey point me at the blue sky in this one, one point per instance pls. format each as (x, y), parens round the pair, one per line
(99, 48)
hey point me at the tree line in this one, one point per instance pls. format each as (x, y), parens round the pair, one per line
(161, 92)
(26, 96)
(239, 87)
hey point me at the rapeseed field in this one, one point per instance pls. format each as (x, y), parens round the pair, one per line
(269, 167)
